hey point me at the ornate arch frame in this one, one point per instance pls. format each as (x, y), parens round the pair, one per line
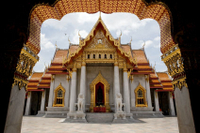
(144, 96)
(98, 79)
(55, 96)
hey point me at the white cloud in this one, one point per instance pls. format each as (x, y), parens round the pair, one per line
(148, 43)
(85, 17)
(157, 38)
(45, 43)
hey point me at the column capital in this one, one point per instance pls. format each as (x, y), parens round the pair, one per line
(74, 69)
(125, 68)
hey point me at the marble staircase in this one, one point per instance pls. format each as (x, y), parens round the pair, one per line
(100, 117)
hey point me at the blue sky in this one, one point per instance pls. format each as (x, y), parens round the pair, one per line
(57, 32)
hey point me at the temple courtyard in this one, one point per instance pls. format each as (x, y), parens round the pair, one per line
(33, 124)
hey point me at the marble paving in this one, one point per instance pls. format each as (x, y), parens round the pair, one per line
(32, 124)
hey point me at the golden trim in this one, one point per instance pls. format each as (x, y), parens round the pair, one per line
(144, 96)
(174, 63)
(55, 96)
(101, 79)
(116, 43)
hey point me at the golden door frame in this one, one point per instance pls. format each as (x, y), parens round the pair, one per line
(101, 79)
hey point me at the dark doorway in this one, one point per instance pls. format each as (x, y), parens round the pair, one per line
(164, 102)
(35, 101)
(99, 100)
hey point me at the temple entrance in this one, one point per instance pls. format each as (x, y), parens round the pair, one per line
(99, 100)
(99, 95)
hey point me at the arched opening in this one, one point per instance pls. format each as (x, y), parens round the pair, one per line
(140, 99)
(100, 95)
(132, 6)
(59, 96)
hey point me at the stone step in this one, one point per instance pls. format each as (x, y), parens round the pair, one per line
(99, 117)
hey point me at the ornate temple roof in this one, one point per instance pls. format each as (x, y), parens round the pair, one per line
(165, 81)
(137, 60)
(34, 81)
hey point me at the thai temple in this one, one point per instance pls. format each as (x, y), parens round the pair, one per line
(100, 76)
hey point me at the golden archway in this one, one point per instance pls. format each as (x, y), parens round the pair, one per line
(102, 80)
(157, 11)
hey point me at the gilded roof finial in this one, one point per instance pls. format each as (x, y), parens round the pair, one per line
(56, 45)
(79, 33)
(130, 40)
(99, 14)
(69, 40)
(143, 45)
(120, 34)
(154, 67)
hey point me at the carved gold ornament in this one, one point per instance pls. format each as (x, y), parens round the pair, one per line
(140, 96)
(24, 67)
(174, 63)
(59, 94)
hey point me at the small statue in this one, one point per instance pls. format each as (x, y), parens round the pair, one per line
(80, 102)
(119, 102)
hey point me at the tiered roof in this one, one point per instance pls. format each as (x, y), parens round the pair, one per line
(155, 81)
(63, 57)
(165, 81)
(56, 66)
(34, 81)
(143, 66)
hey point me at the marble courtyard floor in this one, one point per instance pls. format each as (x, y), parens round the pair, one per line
(31, 124)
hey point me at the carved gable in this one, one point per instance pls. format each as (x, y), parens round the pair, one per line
(99, 41)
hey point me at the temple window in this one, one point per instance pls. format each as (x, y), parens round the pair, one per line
(99, 56)
(88, 56)
(140, 94)
(110, 56)
(105, 56)
(93, 56)
(59, 96)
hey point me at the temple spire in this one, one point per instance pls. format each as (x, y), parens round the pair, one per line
(99, 14)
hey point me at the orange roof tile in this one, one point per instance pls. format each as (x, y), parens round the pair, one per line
(163, 76)
(59, 55)
(140, 56)
(36, 76)
(165, 80)
(126, 48)
(73, 48)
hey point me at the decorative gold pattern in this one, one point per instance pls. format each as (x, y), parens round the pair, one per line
(174, 63)
(99, 49)
(59, 99)
(24, 67)
(140, 97)
(20, 82)
(101, 79)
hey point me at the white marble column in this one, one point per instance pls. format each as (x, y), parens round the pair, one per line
(83, 84)
(156, 101)
(171, 104)
(73, 92)
(50, 102)
(67, 91)
(116, 83)
(133, 86)
(42, 106)
(148, 92)
(28, 104)
(126, 92)
(15, 110)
